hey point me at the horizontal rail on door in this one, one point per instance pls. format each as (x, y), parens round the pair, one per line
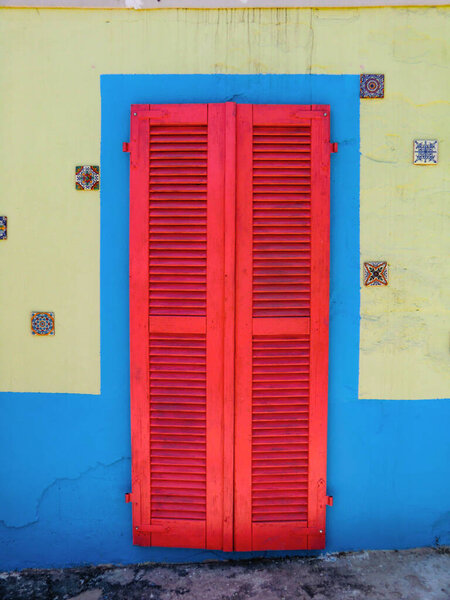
(171, 324)
(281, 326)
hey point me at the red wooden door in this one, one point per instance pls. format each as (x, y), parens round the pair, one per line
(176, 324)
(282, 326)
(228, 325)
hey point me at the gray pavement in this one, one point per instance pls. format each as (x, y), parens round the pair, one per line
(419, 574)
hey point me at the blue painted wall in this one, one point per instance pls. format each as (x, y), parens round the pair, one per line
(66, 458)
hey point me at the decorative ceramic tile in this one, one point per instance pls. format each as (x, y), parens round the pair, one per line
(425, 152)
(376, 273)
(3, 228)
(371, 86)
(43, 323)
(87, 177)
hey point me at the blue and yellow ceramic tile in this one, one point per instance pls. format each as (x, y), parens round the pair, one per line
(43, 323)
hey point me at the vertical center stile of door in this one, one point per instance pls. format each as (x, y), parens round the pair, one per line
(229, 323)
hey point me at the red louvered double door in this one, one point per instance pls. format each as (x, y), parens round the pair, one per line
(229, 275)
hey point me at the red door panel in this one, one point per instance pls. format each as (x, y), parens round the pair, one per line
(176, 324)
(282, 326)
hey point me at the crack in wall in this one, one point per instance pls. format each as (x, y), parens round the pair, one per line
(57, 481)
(378, 160)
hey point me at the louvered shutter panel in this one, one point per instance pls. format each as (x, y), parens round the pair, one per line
(281, 326)
(229, 269)
(176, 323)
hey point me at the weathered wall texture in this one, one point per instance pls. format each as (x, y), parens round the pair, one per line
(50, 65)
(67, 462)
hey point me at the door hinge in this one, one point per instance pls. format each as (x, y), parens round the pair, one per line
(329, 500)
(333, 147)
(125, 146)
(129, 497)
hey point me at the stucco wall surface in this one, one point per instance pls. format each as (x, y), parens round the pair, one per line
(62, 484)
(50, 65)
(67, 79)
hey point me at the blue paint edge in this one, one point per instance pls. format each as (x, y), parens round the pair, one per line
(68, 465)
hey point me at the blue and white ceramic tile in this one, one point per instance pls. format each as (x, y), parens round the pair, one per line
(425, 152)
(371, 86)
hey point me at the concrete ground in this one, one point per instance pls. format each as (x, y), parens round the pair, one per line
(420, 574)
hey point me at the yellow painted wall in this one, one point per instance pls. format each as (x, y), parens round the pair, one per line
(50, 62)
